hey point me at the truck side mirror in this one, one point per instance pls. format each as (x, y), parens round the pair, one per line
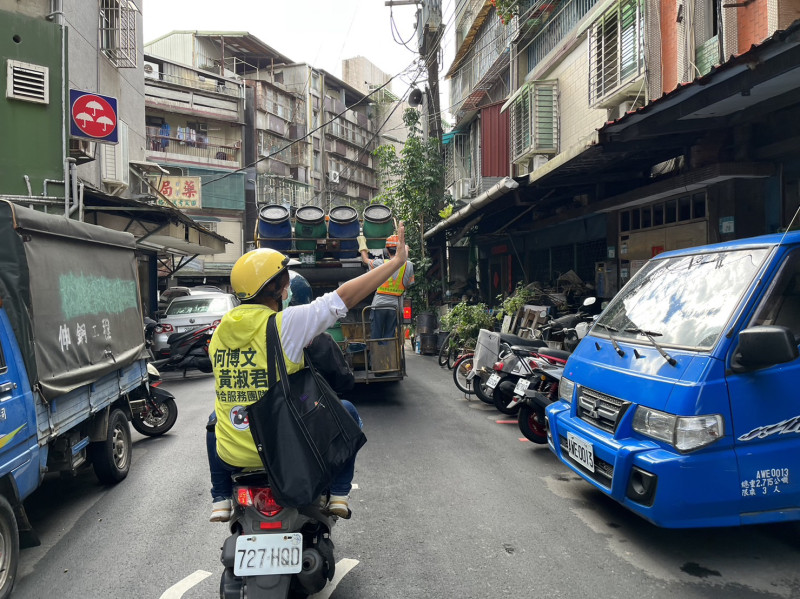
(764, 346)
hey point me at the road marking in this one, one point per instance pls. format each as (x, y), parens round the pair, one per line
(524, 440)
(177, 590)
(506, 421)
(343, 566)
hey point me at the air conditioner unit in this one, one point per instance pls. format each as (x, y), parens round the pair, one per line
(538, 161)
(462, 189)
(333, 176)
(152, 70)
(82, 150)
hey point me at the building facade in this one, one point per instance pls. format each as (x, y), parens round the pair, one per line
(634, 127)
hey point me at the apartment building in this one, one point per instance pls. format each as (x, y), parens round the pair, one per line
(634, 127)
(194, 130)
(308, 136)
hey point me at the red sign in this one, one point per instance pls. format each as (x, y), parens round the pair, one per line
(93, 116)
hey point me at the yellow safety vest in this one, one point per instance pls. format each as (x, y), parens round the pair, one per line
(240, 379)
(394, 286)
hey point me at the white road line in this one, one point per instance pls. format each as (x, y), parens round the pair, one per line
(177, 590)
(343, 566)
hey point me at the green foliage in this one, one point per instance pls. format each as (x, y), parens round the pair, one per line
(465, 321)
(414, 190)
(515, 301)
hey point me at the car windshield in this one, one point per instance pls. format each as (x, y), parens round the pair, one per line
(682, 301)
(199, 305)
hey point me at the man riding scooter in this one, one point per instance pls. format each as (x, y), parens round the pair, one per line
(260, 279)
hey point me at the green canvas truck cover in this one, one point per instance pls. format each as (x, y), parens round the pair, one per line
(71, 292)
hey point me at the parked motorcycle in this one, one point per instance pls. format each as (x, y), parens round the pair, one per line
(566, 330)
(494, 360)
(527, 365)
(532, 396)
(187, 350)
(154, 411)
(274, 552)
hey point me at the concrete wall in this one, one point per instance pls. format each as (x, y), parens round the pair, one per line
(32, 132)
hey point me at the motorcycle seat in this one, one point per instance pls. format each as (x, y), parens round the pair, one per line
(511, 339)
(559, 354)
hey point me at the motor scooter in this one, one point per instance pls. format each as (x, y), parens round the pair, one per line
(274, 552)
(187, 350)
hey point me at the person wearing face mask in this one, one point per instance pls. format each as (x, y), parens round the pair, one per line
(238, 353)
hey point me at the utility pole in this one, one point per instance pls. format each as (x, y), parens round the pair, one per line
(429, 30)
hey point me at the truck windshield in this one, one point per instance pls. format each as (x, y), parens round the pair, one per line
(683, 301)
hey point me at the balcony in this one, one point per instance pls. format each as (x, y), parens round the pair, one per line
(194, 149)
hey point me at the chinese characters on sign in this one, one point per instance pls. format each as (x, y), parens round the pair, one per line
(184, 192)
(82, 334)
(241, 380)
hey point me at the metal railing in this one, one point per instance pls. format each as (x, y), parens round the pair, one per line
(196, 146)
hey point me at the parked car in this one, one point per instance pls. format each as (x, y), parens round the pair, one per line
(172, 292)
(189, 312)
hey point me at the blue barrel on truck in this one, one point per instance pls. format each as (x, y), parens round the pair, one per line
(681, 402)
(72, 351)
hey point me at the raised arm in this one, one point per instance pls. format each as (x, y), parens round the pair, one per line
(355, 290)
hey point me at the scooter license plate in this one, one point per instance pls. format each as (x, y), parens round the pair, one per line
(521, 386)
(581, 451)
(493, 380)
(260, 555)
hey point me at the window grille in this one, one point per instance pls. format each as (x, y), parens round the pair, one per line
(118, 32)
(616, 54)
(534, 120)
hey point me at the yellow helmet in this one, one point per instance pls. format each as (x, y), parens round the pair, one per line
(254, 270)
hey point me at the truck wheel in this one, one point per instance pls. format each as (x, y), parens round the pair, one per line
(531, 424)
(111, 457)
(153, 425)
(9, 548)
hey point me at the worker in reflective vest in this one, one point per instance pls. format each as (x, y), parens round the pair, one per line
(388, 299)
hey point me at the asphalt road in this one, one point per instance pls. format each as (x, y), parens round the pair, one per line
(449, 503)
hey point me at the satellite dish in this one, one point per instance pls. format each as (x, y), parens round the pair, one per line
(415, 97)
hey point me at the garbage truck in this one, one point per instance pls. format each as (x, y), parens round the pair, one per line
(325, 251)
(72, 359)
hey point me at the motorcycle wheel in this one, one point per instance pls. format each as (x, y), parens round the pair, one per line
(460, 371)
(152, 425)
(502, 398)
(484, 393)
(531, 424)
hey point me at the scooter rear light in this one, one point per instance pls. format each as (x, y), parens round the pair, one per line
(260, 498)
(498, 366)
(164, 328)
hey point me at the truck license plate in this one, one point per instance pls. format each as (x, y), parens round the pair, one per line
(258, 555)
(493, 380)
(521, 386)
(581, 451)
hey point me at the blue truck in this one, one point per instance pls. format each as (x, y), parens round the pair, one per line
(72, 357)
(682, 403)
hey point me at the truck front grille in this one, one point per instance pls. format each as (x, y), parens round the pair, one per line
(600, 410)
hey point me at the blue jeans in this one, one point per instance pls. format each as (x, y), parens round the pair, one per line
(222, 484)
(383, 323)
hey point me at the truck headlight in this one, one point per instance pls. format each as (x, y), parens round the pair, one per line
(685, 433)
(565, 389)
